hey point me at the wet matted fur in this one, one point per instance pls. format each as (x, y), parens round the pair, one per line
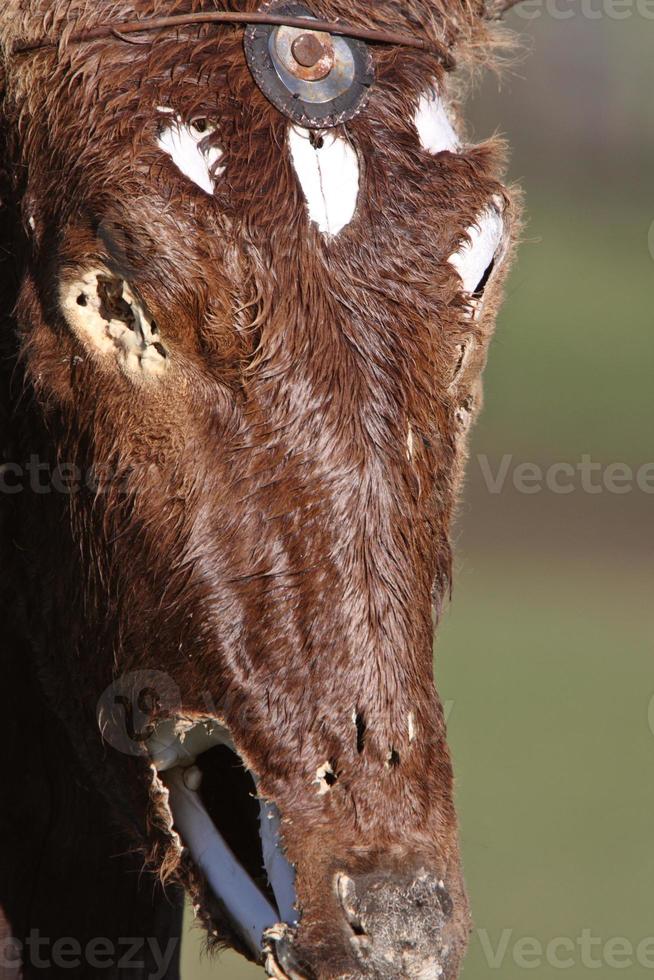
(269, 523)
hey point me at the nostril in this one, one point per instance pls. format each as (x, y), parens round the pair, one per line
(347, 894)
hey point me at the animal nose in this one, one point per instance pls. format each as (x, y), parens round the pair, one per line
(399, 924)
(386, 926)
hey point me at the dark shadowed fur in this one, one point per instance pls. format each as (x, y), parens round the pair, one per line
(265, 537)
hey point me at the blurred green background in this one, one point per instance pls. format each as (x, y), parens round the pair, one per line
(545, 656)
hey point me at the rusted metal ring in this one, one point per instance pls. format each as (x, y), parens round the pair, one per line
(329, 89)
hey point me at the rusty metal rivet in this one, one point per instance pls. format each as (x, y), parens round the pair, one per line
(317, 96)
(307, 50)
(308, 55)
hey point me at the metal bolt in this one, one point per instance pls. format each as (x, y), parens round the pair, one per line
(307, 55)
(307, 50)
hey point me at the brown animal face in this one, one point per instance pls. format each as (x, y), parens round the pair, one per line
(264, 349)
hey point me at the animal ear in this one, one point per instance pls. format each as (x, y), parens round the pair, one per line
(495, 9)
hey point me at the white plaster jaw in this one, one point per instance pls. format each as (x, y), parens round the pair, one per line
(179, 742)
(247, 908)
(281, 873)
(328, 170)
(174, 749)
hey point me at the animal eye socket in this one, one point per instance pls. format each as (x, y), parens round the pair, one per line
(200, 125)
(478, 292)
(183, 143)
(478, 256)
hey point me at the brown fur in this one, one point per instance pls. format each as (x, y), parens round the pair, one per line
(265, 539)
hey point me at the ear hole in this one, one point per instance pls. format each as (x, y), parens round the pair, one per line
(230, 796)
(113, 305)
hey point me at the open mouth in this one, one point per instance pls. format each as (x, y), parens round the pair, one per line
(232, 834)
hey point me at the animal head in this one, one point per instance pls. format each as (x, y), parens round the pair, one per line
(251, 347)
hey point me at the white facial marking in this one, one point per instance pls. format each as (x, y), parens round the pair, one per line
(434, 127)
(134, 341)
(475, 257)
(329, 176)
(182, 144)
(411, 724)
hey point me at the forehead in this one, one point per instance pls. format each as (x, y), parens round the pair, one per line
(97, 113)
(332, 346)
(200, 69)
(116, 118)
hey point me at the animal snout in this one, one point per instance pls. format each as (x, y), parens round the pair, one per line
(388, 926)
(398, 924)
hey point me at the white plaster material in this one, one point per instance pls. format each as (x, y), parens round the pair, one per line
(329, 175)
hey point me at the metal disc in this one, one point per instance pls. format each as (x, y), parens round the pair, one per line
(318, 80)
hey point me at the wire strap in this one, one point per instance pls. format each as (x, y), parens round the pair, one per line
(120, 29)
